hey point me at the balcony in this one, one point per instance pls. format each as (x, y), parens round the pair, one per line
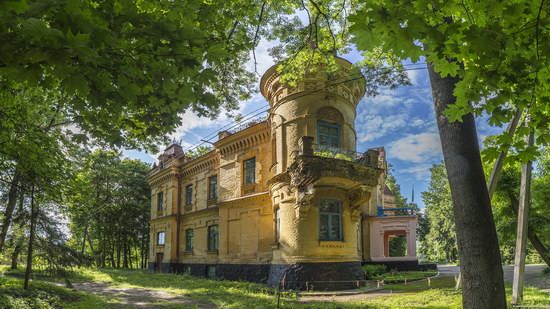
(394, 212)
(374, 157)
(344, 167)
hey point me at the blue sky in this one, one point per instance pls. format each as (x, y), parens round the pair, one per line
(401, 120)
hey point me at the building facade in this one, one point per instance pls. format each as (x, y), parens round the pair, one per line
(284, 200)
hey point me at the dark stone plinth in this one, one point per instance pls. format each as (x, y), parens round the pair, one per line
(317, 276)
(244, 272)
(301, 276)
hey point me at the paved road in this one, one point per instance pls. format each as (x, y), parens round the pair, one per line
(533, 274)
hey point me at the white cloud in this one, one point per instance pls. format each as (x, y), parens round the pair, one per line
(416, 148)
(417, 171)
(263, 60)
(373, 127)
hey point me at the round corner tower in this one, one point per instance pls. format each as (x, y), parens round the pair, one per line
(319, 186)
(318, 97)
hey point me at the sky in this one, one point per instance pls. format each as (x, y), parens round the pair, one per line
(401, 120)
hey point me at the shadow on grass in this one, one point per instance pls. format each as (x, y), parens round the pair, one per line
(225, 294)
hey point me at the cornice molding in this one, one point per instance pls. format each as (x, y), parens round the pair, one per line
(247, 198)
(200, 164)
(247, 138)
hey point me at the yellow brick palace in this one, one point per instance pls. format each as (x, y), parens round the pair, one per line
(285, 200)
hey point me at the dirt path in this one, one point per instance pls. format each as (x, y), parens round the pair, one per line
(139, 297)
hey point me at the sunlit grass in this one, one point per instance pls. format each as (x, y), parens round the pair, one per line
(226, 294)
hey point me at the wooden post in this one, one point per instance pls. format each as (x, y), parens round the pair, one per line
(522, 228)
(497, 168)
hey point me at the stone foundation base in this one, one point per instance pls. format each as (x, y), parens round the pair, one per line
(301, 276)
(235, 272)
(317, 276)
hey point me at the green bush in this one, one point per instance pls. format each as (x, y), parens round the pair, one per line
(546, 271)
(372, 271)
(39, 295)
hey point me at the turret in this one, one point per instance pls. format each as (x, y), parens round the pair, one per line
(322, 106)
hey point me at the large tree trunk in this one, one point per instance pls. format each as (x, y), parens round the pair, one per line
(531, 235)
(8, 214)
(483, 283)
(34, 216)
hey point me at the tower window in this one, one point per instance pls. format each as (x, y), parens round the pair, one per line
(278, 224)
(330, 219)
(160, 201)
(189, 195)
(328, 134)
(213, 187)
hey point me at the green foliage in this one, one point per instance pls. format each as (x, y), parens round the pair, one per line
(498, 78)
(110, 208)
(398, 246)
(395, 188)
(373, 270)
(40, 295)
(197, 152)
(438, 240)
(333, 154)
(507, 191)
(129, 69)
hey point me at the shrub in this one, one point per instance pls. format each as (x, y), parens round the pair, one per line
(372, 271)
(546, 271)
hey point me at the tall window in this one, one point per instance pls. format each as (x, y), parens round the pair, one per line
(213, 237)
(160, 201)
(328, 134)
(249, 171)
(213, 187)
(278, 224)
(189, 237)
(189, 195)
(330, 219)
(160, 238)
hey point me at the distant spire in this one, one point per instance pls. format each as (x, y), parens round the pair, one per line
(412, 194)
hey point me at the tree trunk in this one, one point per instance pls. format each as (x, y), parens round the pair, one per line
(125, 252)
(130, 255)
(531, 235)
(15, 255)
(84, 239)
(118, 251)
(483, 283)
(8, 213)
(34, 216)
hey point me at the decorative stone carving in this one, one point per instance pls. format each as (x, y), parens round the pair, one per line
(330, 113)
(358, 196)
(304, 201)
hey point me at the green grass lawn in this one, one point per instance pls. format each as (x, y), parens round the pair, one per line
(223, 294)
(402, 276)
